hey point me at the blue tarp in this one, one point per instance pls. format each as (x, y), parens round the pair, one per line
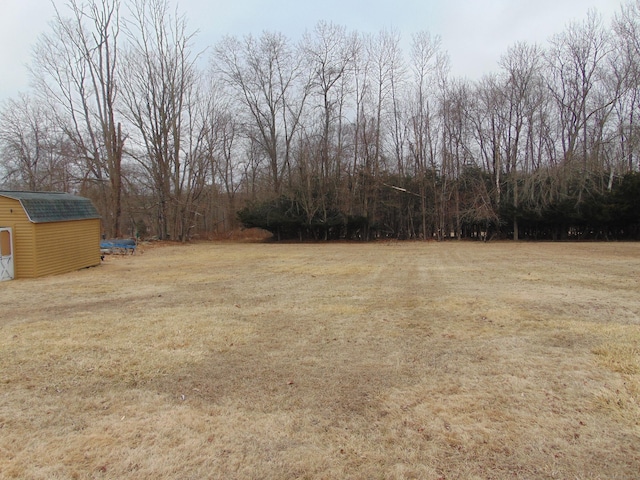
(118, 245)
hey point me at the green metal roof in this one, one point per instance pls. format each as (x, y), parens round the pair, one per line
(43, 207)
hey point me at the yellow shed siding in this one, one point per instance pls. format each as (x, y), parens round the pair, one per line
(24, 258)
(67, 246)
(49, 248)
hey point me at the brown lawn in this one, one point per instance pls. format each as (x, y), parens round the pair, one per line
(373, 361)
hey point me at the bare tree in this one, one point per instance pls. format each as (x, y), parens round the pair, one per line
(456, 181)
(223, 144)
(75, 70)
(265, 74)
(161, 97)
(22, 142)
(35, 153)
(627, 29)
(387, 70)
(429, 67)
(521, 66)
(329, 52)
(577, 61)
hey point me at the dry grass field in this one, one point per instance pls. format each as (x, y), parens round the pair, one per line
(331, 361)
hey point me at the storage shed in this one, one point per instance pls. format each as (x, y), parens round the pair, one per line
(46, 233)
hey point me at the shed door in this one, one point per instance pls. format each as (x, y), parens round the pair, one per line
(6, 254)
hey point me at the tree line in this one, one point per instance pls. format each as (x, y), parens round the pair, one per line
(336, 135)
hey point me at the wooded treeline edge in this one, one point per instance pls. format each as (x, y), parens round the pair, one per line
(338, 135)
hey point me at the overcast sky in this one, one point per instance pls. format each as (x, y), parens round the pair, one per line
(474, 32)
